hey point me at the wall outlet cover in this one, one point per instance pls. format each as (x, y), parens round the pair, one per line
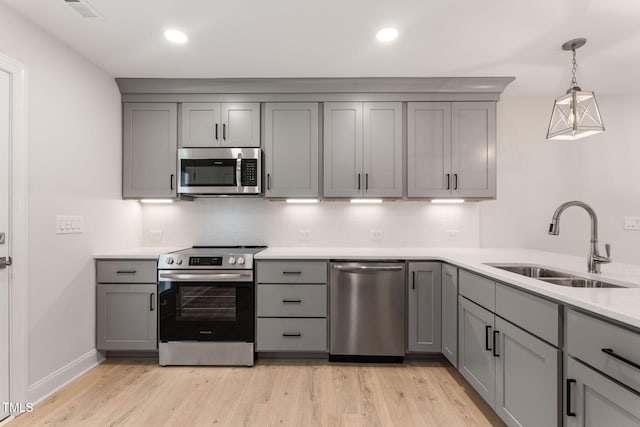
(304, 235)
(377, 235)
(453, 235)
(632, 222)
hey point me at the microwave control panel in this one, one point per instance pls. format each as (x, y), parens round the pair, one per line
(249, 170)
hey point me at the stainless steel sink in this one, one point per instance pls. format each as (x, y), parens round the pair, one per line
(554, 277)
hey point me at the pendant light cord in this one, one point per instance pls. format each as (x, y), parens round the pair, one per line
(574, 68)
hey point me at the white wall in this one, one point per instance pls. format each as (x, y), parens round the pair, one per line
(74, 168)
(536, 175)
(255, 221)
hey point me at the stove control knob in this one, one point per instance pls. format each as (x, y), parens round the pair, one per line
(169, 260)
(240, 260)
(232, 260)
(179, 261)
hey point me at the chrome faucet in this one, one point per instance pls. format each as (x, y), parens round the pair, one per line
(595, 259)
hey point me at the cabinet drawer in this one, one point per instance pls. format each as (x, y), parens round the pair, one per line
(292, 300)
(126, 271)
(534, 314)
(587, 337)
(291, 335)
(478, 289)
(292, 272)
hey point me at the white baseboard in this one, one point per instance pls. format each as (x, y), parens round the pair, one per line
(53, 382)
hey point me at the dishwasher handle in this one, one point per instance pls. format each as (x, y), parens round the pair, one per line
(363, 268)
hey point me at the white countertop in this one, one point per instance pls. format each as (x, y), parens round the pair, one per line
(137, 253)
(621, 304)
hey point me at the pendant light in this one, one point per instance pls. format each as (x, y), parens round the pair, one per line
(575, 115)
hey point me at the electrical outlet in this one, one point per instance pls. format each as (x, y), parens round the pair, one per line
(632, 222)
(304, 235)
(377, 235)
(155, 235)
(453, 235)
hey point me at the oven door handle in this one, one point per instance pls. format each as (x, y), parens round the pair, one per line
(207, 277)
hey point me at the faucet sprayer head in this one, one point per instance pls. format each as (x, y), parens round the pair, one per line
(554, 227)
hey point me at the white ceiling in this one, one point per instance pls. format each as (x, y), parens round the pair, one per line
(336, 38)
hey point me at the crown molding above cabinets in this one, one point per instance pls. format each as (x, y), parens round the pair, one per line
(313, 89)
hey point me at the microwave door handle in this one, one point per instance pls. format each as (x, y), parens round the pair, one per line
(239, 172)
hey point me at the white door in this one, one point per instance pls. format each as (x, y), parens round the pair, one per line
(4, 252)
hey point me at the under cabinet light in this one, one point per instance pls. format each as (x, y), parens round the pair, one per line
(447, 201)
(176, 36)
(387, 34)
(363, 201)
(156, 200)
(301, 201)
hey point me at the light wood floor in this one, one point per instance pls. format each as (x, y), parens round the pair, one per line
(274, 392)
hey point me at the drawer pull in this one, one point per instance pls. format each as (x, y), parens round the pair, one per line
(495, 345)
(126, 271)
(570, 413)
(292, 335)
(292, 273)
(487, 329)
(620, 358)
(295, 301)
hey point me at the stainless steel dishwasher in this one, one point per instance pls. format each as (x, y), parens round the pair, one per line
(367, 311)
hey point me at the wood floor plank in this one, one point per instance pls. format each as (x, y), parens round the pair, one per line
(274, 392)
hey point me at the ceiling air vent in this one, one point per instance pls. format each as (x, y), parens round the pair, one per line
(83, 8)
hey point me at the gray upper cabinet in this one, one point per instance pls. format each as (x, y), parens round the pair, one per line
(424, 302)
(450, 313)
(291, 149)
(204, 124)
(150, 140)
(451, 149)
(363, 149)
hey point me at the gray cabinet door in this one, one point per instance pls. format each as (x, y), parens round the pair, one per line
(150, 141)
(429, 149)
(343, 149)
(424, 301)
(598, 401)
(291, 149)
(527, 378)
(382, 154)
(475, 357)
(240, 125)
(200, 124)
(126, 317)
(450, 313)
(473, 149)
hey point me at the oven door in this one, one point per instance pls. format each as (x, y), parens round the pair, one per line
(219, 171)
(206, 305)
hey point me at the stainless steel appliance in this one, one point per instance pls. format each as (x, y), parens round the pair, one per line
(219, 171)
(206, 298)
(367, 311)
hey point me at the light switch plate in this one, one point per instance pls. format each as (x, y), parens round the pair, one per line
(453, 235)
(632, 222)
(69, 224)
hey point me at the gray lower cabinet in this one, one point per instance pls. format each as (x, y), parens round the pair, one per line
(291, 306)
(126, 317)
(424, 303)
(291, 149)
(363, 149)
(516, 373)
(450, 313)
(595, 400)
(149, 152)
(126, 313)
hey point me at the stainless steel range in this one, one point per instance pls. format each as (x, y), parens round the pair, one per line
(206, 298)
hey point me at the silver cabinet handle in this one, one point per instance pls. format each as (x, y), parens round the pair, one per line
(216, 131)
(358, 181)
(268, 181)
(126, 272)
(293, 301)
(448, 181)
(224, 131)
(359, 268)
(152, 304)
(298, 334)
(455, 180)
(366, 181)
(292, 273)
(5, 262)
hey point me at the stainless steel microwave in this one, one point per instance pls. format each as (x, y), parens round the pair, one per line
(219, 171)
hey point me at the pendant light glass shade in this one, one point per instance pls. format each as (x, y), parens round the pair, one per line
(576, 114)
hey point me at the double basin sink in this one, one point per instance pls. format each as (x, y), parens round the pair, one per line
(554, 277)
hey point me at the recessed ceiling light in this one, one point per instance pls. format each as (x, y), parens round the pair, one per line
(387, 34)
(176, 36)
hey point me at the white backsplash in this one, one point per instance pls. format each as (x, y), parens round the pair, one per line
(228, 221)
